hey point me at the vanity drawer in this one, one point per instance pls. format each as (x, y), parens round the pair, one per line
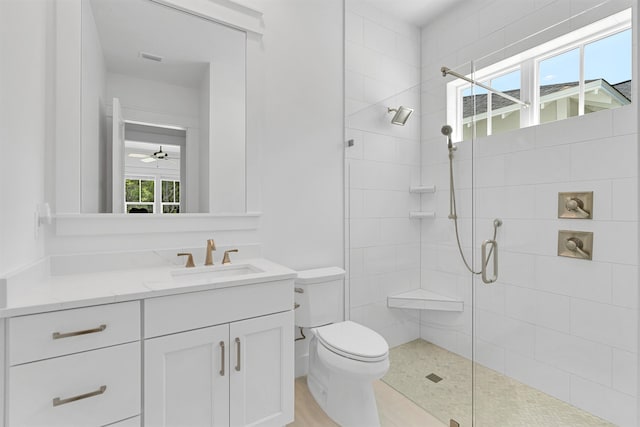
(130, 422)
(106, 381)
(183, 312)
(32, 337)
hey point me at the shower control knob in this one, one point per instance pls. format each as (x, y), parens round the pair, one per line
(573, 244)
(574, 204)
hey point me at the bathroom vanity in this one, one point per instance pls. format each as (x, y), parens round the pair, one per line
(161, 346)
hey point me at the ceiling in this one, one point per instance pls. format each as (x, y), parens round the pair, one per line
(416, 12)
(186, 43)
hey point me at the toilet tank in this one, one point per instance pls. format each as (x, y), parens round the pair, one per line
(320, 295)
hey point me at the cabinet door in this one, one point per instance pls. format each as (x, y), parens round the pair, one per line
(262, 371)
(187, 379)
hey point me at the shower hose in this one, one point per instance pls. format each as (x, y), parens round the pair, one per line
(454, 216)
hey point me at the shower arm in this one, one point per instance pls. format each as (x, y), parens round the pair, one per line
(446, 71)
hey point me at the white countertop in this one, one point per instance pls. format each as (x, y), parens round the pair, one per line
(37, 290)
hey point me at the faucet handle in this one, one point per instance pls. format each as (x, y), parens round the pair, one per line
(226, 259)
(189, 256)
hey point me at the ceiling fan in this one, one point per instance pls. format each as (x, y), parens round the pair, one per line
(148, 158)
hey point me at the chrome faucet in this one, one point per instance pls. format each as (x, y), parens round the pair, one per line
(211, 246)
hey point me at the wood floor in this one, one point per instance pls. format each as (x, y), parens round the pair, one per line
(394, 409)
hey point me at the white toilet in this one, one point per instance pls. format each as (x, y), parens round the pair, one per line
(344, 356)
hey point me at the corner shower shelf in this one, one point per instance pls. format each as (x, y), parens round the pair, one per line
(422, 189)
(421, 215)
(421, 299)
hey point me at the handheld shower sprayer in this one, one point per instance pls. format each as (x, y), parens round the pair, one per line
(453, 215)
(447, 131)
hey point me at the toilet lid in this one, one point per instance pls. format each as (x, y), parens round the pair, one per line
(354, 341)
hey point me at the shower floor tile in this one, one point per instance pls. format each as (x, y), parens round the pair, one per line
(500, 401)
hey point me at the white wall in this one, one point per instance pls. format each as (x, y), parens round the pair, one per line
(153, 96)
(25, 97)
(302, 147)
(382, 59)
(227, 109)
(567, 327)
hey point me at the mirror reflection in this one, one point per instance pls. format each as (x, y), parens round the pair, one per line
(163, 110)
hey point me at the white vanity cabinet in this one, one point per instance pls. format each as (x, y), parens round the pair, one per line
(200, 371)
(208, 347)
(78, 367)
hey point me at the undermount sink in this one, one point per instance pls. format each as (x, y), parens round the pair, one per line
(214, 272)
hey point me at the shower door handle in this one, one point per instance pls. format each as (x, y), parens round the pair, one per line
(493, 252)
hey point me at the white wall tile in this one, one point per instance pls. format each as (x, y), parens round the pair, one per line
(517, 268)
(625, 286)
(538, 166)
(574, 277)
(408, 152)
(378, 91)
(490, 355)
(625, 119)
(540, 308)
(364, 232)
(379, 259)
(408, 258)
(491, 298)
(582, 357)
(396, 231)
(379, 147)
(603, 402)
(625, 372)
(575, 129)
(623, 198)
(364, 291)
(354, 85)
(608, 158)
(356, 203)
(508, 333)
(356, 262)
(613, 242)
(379, 38)
(604, 323)
(399, 281)
(354, 58)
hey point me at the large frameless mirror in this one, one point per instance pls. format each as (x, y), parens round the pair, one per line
(162, 111)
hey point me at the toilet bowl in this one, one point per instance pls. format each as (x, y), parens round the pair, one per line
(344, 356)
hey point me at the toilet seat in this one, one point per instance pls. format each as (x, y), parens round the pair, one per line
(353, 341)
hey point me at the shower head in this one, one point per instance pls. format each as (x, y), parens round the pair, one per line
(401, 116)
(447, 131)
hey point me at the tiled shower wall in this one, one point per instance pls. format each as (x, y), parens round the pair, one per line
(383, 244)
(565, 326)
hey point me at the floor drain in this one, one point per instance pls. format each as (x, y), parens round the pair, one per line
(433, 377)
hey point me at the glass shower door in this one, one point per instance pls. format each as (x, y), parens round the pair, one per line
(555, 304)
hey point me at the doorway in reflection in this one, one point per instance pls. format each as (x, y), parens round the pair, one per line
(153, 156)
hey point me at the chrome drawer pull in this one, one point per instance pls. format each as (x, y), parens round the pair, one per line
(57, 401)
(58, 335)
(222, 358)
(238, 354)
